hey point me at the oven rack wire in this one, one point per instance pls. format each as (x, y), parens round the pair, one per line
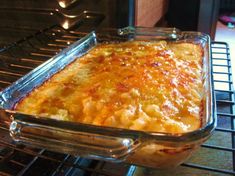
(216, 156)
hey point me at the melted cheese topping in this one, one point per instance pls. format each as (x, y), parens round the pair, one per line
(151, 86)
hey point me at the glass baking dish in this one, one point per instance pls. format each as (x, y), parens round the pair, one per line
(152, 149)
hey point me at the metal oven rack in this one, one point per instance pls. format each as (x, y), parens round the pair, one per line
(216, 156)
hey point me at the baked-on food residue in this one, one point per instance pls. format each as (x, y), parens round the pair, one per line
(140, 85)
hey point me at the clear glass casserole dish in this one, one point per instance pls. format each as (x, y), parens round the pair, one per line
(152, 149)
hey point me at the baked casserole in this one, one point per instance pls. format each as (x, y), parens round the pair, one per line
(140, 85)
(139, 95)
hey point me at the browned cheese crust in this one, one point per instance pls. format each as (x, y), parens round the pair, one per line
(141, 85)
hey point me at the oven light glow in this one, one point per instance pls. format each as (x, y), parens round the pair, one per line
(65, 25)
(126, 142)
(62, 4)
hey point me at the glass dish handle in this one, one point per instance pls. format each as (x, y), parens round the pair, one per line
(154, 33)
(87, 144)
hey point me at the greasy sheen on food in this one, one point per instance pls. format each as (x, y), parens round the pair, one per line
(141, 85)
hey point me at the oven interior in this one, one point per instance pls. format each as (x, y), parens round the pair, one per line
(31, 33)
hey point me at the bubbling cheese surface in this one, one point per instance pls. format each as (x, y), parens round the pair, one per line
(140, 85)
